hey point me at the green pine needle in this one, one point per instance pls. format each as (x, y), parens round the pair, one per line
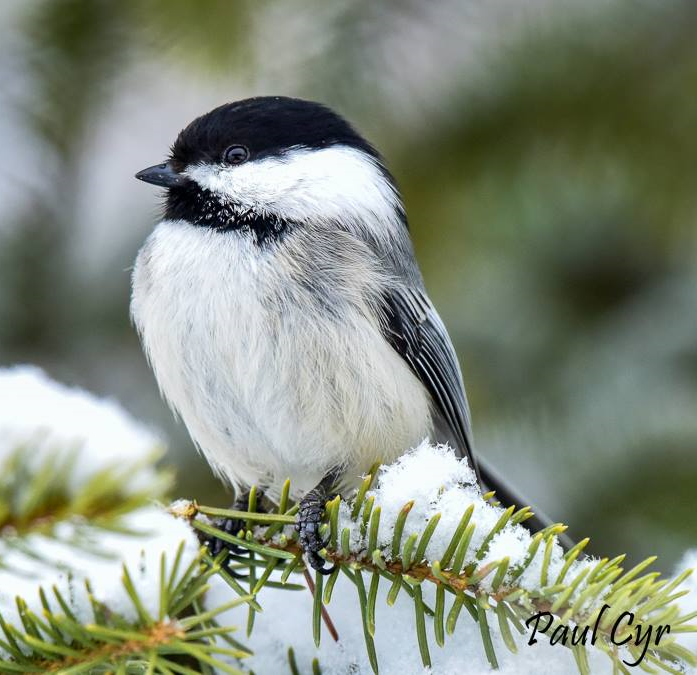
(178, 636)
(473, 586)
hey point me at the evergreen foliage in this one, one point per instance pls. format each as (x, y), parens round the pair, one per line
(179, 634)
(181, 638)
(479, 589)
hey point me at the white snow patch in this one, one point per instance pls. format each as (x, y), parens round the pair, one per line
(287, 622)
(441, 483)
(52, 418)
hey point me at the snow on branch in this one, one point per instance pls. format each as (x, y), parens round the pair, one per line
(46, 414)
(430, 572)
(93, 576)
(459, 558)
(65, 453)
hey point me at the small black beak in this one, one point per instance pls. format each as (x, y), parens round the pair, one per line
(161, 174)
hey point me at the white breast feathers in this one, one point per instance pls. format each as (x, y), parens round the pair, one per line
(272, 379)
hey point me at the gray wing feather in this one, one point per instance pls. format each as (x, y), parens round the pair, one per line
(416, 332)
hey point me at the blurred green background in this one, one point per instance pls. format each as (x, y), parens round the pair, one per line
(547, 154)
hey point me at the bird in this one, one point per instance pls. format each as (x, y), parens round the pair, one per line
(281, 307)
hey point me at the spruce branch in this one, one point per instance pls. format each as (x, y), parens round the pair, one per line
(179, 638)
(36, 497)
(490, 590)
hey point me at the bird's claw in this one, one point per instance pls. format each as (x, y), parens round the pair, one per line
(229, 526)
(307, 526)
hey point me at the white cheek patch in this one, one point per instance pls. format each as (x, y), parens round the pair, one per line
(337, 183)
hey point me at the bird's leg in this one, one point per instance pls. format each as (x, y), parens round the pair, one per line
(231, 526)
(310, 514)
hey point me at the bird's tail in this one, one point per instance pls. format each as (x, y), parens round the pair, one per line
(509, 496)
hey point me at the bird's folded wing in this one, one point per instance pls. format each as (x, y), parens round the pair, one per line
(416, 332)
(414, 329)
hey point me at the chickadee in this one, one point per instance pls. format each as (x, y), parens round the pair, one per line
(283, 312)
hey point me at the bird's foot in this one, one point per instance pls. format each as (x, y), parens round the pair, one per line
(230, 526)
(307, 526)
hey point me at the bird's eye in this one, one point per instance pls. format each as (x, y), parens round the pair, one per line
(236, 154)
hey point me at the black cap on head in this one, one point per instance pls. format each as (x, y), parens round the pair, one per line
(266, 126)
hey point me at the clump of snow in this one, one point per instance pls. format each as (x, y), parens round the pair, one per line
(51, 418)
(439, 482)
